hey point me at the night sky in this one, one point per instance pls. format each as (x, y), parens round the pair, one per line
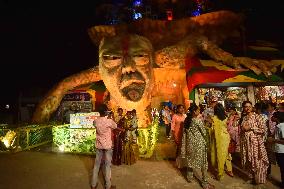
(42, 42)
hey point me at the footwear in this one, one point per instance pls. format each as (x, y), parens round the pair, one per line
(220, 177)
(112, 187)
(230, 173)
(208, 186)
(189, 179)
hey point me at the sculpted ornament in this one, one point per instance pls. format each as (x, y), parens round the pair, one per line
(129, 55)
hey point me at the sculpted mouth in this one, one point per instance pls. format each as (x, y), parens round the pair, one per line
(132, 86)
(134, 91)
(127, 83)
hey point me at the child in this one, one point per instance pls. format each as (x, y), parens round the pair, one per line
(278, 141)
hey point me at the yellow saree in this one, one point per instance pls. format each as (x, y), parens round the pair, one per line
(219, 144)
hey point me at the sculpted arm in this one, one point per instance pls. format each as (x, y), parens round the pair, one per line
(53, 98)
(218, 54)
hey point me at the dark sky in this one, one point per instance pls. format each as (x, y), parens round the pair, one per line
(42, 42)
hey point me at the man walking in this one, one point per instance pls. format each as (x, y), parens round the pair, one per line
(104, 127)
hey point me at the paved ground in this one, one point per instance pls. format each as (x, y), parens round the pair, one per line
(44, 170)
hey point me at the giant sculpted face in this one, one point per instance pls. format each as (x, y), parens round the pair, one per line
(126, 59)
(125, 65)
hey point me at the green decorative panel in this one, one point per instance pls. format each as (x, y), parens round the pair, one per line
(76, 140)
(82, 140)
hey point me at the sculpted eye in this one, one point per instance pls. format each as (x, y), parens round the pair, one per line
(111, 61)
(140, 55)
(141, 59)
(111, 57)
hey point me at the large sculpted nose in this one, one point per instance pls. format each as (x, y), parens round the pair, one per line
(128, 65)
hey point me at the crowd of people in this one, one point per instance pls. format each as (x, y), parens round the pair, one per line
(211, 136)
(203, 138)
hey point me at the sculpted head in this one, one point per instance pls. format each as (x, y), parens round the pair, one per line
(125, 65)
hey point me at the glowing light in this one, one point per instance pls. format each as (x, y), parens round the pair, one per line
(61, 148)
(137, 3)
(6, 142)
(170, 15)
(9, 138)
(197, 12)
(174, 84)
(137, 15)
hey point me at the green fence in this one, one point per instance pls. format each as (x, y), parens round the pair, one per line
(66, 139)
(24, 138)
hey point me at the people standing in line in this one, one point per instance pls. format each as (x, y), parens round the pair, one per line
(104, 127)
(177, 126)
(278, 141)
(253, 152)
(118, 138)
(219, 143)
(166, 113)
(194, 147)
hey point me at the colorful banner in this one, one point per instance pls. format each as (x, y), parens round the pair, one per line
(202, 72)
(83, 120)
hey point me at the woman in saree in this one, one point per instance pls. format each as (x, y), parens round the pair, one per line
(177, 126)
(130, 150)
(194, 147)
(253, 152)
(220, 140)
(118, 138)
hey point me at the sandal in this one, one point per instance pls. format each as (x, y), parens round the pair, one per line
(208, 186)
(230, 173)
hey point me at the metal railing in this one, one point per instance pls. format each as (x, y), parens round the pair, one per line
(27, 137)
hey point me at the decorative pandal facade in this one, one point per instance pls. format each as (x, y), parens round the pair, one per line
(139, 61)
